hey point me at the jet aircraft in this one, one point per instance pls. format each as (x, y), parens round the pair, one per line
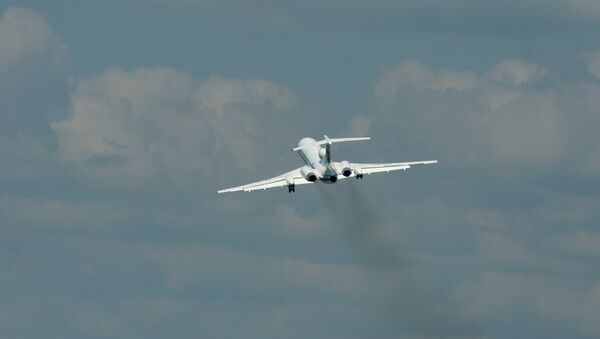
(319, 167)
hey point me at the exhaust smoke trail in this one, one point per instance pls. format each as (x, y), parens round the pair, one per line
(416, 305)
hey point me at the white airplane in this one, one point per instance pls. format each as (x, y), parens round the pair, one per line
(317, 157)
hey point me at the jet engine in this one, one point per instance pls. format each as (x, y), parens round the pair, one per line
(310, 174)
(345, 169)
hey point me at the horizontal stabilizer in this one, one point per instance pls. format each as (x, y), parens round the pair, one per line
(330, 141)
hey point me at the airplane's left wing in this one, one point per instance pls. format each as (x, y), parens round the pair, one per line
(290, 178)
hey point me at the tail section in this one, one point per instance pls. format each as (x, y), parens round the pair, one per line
(325, 152)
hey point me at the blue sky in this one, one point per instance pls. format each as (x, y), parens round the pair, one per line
(120, 119)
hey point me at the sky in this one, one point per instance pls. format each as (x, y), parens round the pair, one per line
(120, 119)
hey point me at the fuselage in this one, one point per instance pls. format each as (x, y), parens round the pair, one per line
(318, 158)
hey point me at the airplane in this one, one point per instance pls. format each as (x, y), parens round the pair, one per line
(319, 167)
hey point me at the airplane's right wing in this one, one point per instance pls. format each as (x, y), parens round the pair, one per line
(360, 169)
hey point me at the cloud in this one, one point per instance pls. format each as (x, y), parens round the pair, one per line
(216, 268)
(593, 62)
(462, 15)
(25, 35)
(518, 148)
(359, 125)
(476, 118)
(155, 121)
(582, 243)
(96, 238)
(516, 72)
(33, 74)
(54, 213)
(221, 94)
(413, 74)
(94, 322)
(496, 295)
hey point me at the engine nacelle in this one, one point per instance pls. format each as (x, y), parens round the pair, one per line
(310, 174)
(345, 168)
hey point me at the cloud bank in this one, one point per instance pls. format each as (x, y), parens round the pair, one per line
(109, 226)
(33, 62)
(463, 15)
(142, 124)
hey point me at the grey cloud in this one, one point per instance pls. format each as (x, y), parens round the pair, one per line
(508, 127)
(34, 71)
(118, 232)
(496, 294)
(33, 63)
(119, 287)
(593, 62)
(580, 243)
(464, 15)
(218, 268)
(57, 214)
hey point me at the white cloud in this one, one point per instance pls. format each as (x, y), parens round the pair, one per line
(593, 62)
(221, 94)
(150, 121)
(26, 35)
(33, 75)
(33, 93)
(481, 120)
(517, 72)
(411, 73)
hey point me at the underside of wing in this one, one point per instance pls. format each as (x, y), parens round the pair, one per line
(361, 169)
(290, 178)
